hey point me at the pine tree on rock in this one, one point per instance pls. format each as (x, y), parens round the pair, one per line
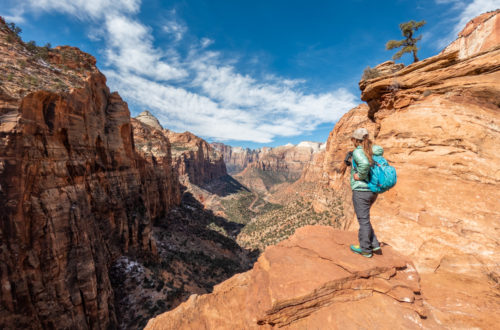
(409, 44)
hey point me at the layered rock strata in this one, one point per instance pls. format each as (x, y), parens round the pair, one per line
(195, 159)
(74, 194)
(288, 159)
(236, 158)
(479, 35)
(311, 280)
(439, 123)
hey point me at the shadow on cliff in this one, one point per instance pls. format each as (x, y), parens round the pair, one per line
(193, 255)
(224, 186)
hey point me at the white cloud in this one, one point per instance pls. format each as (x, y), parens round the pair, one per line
(204, 92)
(130, 48)
(467, 10)
(84, 9)
(175, 28)
(205, 42)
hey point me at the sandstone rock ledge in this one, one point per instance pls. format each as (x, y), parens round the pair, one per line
(312, 280)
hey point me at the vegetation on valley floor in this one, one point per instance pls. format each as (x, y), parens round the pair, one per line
(275, 225)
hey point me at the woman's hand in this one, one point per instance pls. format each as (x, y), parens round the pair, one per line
(356, 177)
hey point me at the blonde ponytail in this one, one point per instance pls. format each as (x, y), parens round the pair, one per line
(367, 148)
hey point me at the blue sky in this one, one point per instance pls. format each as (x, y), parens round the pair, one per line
(246, 73)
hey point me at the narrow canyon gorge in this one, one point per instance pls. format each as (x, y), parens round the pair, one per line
(110, 221)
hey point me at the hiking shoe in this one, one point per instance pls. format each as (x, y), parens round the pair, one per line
(357, 249)
(376, 249)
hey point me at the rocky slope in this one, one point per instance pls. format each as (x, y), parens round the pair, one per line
(74, 192)
(439, 123)
(311, 280)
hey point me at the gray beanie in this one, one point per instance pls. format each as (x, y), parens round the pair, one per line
(360, 133)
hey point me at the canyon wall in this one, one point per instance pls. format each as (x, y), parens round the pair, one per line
(439, 123)
(74, 193)
(193, 158)
(288, 159)
(236, 158)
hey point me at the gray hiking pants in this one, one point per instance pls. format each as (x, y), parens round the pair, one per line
(362, 201)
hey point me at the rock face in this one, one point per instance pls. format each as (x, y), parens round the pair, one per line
(195, 159)
(439, 123)
(236, 158)
(74, 194)
(312, 280)
(480, 34)
(147, 118)
(288, 159)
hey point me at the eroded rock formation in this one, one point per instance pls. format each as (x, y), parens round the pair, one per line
(479, 35)
(195, 159)
(439, 123)
(74, 194)
(236, 158)
(288, 159)
(311, 280)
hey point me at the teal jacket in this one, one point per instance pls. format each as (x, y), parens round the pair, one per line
(362, 167)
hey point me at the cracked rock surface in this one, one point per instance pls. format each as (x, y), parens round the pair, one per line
(311, 280)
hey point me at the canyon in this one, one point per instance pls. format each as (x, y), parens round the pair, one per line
(438, 121)
(266, 167)
(96, 228)
(110, 221)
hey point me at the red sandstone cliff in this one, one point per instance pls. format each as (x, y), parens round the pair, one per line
(74, 194)
(195, 159)
(439, 123)
(480, 34)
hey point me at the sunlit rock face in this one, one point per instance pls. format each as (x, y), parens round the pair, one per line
(480, 34)
(310, 280)
(149, 119)
(439, 123)
(195, 159)
(74, 193)
(264, 170)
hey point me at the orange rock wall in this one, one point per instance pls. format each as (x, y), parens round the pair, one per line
(74, 195)
(439, 123)
(480, 34)
(194, 159)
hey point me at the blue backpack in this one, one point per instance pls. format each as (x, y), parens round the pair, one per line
(382, 175)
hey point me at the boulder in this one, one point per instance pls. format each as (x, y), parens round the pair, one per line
(312, 280)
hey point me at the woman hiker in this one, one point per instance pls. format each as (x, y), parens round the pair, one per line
(362, 196)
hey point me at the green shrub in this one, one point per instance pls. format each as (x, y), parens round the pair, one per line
(370, 73)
